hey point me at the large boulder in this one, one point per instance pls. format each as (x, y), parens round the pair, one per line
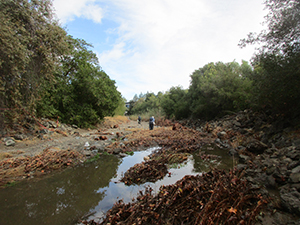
(290, 200)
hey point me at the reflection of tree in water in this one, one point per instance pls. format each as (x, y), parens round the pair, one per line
(59, 199)
(212, 157)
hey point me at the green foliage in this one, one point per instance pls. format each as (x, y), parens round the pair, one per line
(283, 27)
(31, 43)
(82, 94)
(93, 159)
(277, 65)
(146, 103)
(11, 184)
(277, 82)
(175, 103)
(217, 88)
(121, 109)
(130, 153)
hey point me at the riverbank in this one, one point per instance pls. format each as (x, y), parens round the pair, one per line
(268, 153)
(46, 146)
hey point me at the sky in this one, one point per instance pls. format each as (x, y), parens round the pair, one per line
(153, 45)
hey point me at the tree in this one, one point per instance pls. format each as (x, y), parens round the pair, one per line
(83, 94)
(175, 103)
(121, 109)
(276, 83)
(148, 103)
(218, 88)
(277, 65)
(31, 43)
(283, 27)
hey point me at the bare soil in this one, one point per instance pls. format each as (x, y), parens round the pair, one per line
(75, 140)
(59, 148)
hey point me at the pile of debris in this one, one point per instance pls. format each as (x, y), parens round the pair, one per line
(14, 169)
(217, 197)
(149, 171)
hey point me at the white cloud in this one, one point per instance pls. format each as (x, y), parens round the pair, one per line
(68, 10)
(161, 42)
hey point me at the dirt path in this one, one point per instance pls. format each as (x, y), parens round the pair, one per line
(75, 140)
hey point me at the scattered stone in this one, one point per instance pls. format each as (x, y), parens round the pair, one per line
(95, 151)
(122, 155)
(117, 151)
(44, 131)
(243, 158)
(290, 199)
(103, 138)
(76, 133)
(256, 146)
(10, 142)
(20, 137)
(87, 153)
(233, 152)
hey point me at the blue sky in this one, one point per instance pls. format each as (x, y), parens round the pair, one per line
(152, 45)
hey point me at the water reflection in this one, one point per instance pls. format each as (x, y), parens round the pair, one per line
(94, 187)
(195, 165)
(59, 199)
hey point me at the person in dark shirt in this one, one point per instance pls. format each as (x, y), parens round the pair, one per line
(151, 122)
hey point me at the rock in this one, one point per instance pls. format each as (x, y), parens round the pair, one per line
(270, 170)
(87, 153)
(287, 161)
(76, 133)
(74, 126)
(233, 152)
(222, 134)
(95, 151)
(122, 155)
(293, 165)
(256, 146)
(296, 170)
(295, 177)
(294, 154)
(103, 138)
(236, 123)
(10, 142)
(20, 137)
(117, 151)
(122, 145)
(244, 158)
(47, 124)
(270, 182)
(241, 166)
(54, 124)
(221, 143)
(44, 131)
(290, 200)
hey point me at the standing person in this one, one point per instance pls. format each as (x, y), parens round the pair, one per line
(139, 120)
(151, 122)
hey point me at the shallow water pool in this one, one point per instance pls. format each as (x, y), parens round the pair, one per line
(90, 189)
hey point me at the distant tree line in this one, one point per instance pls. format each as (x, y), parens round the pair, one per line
(45, 72)
(215, 89)
(270, 84)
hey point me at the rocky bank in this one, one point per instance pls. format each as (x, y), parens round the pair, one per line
(268, 152)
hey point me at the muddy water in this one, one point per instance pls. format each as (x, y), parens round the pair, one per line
(92, 189)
